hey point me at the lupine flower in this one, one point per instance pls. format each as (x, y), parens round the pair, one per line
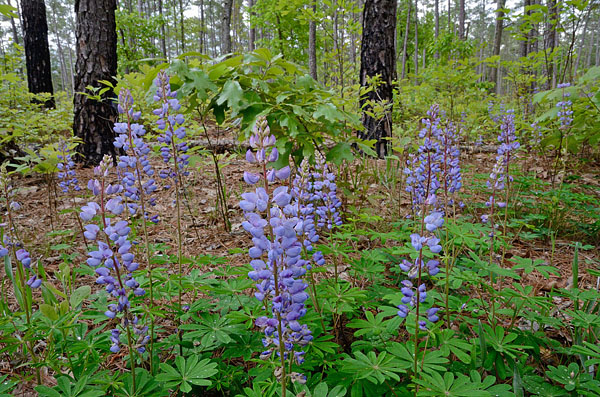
(423, 183)
(500, 176)
(66, 172)
(135, 162)
(276, 256)
(565, 113)
(423, 169)
(112, 260)
(172, 140)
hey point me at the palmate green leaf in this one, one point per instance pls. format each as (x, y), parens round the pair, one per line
(372, 367)
(539, 387)
(460, 385)
(188, 372)
(434, 360)
(448, 343)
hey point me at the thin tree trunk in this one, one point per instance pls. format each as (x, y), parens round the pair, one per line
(202, 39)
(252, 32)
(416, 40)
(336, 49)
(312, 42)
(405, 43)
(450, 28)
(182, 25)
(37, 52)
(582, 40)
(550, 43)
(226, 27)
(61, 55)
(597, 60)
(461, 19)
(437, 26)
(14, 26)
(497, 41)
(163, 34)
(589, 49)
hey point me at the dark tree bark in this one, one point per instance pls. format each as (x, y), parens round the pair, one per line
(461, 20)
(226, 27)
(252, 32)
(96, 47)
(378, 57)
(312, 42)
(37, 54)
(405, 42)
(181, 25)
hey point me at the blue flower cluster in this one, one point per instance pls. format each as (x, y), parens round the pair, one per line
(315, 191)
(500, 173)
(272, 218)
(134, 164)
(172, 140)
(66, 171)
(113, 260)
(565, 113)
(423, 168)
(436, 158)
(450, 173)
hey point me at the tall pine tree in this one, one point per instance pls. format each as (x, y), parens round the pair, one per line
(96, 60)
(37, 54)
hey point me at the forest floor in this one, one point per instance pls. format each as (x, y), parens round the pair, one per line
(204, 232)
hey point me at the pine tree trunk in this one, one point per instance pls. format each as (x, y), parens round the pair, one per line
(14, 27)
(163, 34)
(61, 54)
(582, 41)
(405, 43)
(550, 42)
(461, 19)
(436, 16)
(497, 41)
(450, 27)
(312, 42)
(202, 27)
(524, 44)
(378, 57)
(416, 54)
(226, 27)
(181, 25)
(37, 53)
(96, 46)
(252, 32)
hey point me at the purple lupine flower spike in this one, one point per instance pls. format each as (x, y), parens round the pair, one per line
(276, 255)
(113, 260)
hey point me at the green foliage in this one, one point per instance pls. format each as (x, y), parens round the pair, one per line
(301, 114)
(188, 372)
